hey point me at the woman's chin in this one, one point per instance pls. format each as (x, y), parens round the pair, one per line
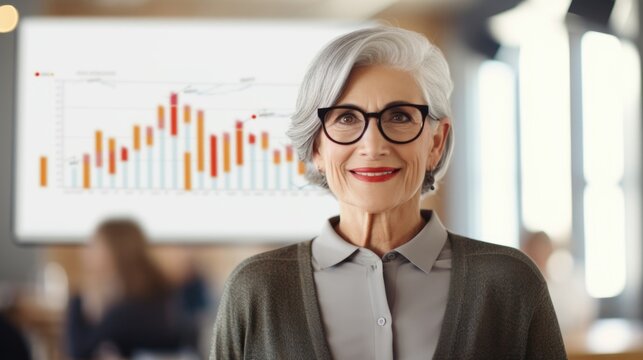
(373, 204)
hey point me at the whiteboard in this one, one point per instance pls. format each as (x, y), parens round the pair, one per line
(177, 124)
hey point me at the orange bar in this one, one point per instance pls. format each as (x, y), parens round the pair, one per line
(99, 148)
(264, 141)
(188, 174)
(277, 157)
(186, 114)
(289, 156)
(161, 116)
(226, 152)
(43, 171)
(239, 143)
(150, 136)
(301, 168)
(86, 175)
(199, 141)
(112, 155)
(137, 137)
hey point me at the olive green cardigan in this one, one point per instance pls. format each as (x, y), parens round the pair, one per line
(498, 308)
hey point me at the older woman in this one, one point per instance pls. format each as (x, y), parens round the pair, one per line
(384, 279)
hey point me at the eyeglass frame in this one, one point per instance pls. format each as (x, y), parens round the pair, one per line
(424, 110)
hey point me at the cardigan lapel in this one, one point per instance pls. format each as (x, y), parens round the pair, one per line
(311, 305)
(447, 339)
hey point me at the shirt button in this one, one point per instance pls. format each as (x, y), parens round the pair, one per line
(381, 321)
(391, 256)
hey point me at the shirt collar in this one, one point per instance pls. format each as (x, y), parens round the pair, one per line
(424, 248)
(329, 249)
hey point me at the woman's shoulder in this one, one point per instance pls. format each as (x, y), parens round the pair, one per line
(288, 254)
(494, 260)
(271, 267)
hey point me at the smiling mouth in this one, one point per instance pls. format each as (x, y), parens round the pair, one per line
(374, 174)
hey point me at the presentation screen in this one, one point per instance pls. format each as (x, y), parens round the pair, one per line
(179, 125)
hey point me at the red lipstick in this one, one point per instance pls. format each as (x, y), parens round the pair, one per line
(374, 174)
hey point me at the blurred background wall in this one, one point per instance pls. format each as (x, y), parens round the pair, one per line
(18, 264)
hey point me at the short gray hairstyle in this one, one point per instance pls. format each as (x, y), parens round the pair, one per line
(380, 45)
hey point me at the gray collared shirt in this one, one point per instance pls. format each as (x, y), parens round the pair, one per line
(383, 308)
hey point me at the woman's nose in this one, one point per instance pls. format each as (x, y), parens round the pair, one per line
(373, 144)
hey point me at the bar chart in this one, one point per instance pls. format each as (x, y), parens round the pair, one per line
(175, 146)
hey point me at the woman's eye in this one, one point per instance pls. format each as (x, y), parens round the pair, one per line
(347, 119)
(400, 118)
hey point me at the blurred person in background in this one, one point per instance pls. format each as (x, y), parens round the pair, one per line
(384, 279)
(575, 309)
(539, 247)
(126, 306)
(196, 294)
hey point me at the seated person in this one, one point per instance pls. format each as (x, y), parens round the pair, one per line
(125, 305)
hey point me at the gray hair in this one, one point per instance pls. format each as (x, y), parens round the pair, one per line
(380, 45)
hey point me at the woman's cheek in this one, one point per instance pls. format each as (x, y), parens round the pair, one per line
(415, 175)
(335, 179)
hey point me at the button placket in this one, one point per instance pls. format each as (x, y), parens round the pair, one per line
(381, 312)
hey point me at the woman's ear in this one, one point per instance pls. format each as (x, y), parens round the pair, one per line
(438, 142)
(318, 161)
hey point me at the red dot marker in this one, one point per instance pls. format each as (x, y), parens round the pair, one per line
(37, 73)
(253, 116)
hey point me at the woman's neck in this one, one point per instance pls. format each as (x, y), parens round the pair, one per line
(383, 231)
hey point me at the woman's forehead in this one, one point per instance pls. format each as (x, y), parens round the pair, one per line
(377, 85)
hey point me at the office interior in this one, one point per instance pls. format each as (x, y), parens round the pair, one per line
(547, 112)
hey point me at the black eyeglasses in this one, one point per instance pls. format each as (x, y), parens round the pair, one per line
(399, 123)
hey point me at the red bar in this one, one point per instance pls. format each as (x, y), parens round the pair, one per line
(239, 143)
(213, 155)
(123, 154)
(252, 139)
(173, 114)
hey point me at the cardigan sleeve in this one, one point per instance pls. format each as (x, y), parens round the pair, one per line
(545, 340)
